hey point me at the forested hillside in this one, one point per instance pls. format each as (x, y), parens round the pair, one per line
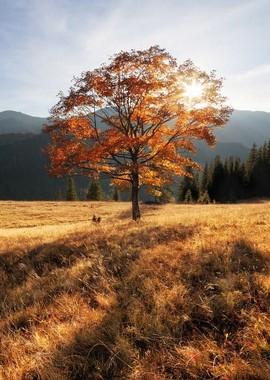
(23, 164)
(229, 180)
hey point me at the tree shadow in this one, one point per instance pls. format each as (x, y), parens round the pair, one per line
(218, 286)
(145, 209)
(223, 284)
(110, 351)
(246, 258)
(39, 277)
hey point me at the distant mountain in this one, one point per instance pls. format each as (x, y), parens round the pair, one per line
(246, 127)
(18, 122)
(23, 174)
(22, 169)
(22, 163)
(223, 149)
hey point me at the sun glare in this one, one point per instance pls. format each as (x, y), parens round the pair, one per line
(193, 90)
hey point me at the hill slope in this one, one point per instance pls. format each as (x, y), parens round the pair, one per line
(18, 122)
(22, 163)
(244, 127)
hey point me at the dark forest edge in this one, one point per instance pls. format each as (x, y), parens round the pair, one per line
(230, 180)
(221, 181)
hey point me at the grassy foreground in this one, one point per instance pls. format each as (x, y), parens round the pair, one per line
(184, 294)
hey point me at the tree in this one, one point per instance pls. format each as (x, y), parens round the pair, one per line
(252, 159)
(133, 119)
(204, 198)
(189, 182)
(217, 185)
(94, 192)
(181, 191)
(71, 190)
(115, 194)
(204, 183)
(188, 197)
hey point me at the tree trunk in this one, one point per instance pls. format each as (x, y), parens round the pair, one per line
(136, 214)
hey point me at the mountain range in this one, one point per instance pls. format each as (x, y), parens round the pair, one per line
(18, 122)
(22, 161)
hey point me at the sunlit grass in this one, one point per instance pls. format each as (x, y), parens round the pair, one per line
(183, 294)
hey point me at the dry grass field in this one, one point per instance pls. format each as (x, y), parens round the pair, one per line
(183, 294)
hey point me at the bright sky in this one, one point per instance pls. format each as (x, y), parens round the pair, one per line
(44, 43)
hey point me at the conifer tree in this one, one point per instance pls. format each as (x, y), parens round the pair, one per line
(181, 191)
(71, 194)
(217, 189)
(268, 152)
(230, 180)
(251, 161)
(94, 192)
(204, 180)
(264, 152)
(204, 198)
(188, 197)
(191, 183)
(115, 194)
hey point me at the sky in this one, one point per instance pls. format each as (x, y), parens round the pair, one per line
(45, 43)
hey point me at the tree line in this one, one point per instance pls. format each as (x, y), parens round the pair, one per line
(221, 181)
(229, 180)
(93, 193)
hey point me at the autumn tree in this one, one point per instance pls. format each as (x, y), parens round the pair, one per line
(133, 119)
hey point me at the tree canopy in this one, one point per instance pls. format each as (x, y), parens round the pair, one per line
(134, 119)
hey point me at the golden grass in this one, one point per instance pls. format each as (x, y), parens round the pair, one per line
(184, 294)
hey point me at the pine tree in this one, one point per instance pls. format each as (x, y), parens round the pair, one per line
(188, 197)
(217, 187)
(204, 198)
(191, 183)
(251, 161)
(115, 194)
(94, 192)
(267, 170)
(204, 180)
(181, 191)
(71, 194)
(268, 152)
(265, 152)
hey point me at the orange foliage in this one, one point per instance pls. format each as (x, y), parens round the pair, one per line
(132, 117)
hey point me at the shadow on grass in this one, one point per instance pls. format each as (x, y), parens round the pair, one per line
(145, 210)
(219, 289)
(40, 276)
(110, 351)
(163, 300)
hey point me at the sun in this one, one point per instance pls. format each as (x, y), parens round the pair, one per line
(193, 90)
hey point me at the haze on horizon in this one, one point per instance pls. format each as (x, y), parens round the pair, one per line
(43, 44)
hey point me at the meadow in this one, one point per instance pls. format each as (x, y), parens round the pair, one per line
(182, 294)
